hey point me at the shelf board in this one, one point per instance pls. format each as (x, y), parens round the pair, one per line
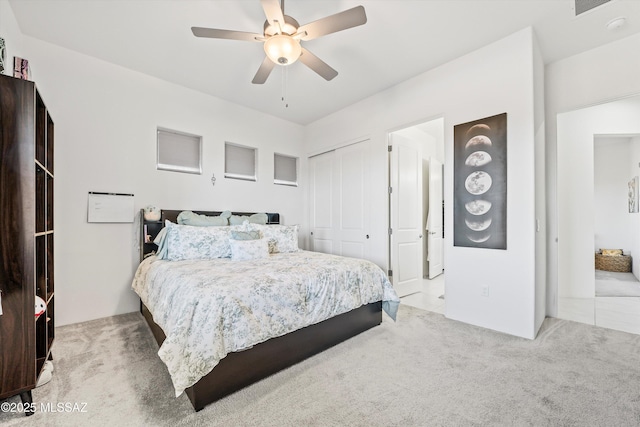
(44, 168)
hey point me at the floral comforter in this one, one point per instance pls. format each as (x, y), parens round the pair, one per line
(209, 308)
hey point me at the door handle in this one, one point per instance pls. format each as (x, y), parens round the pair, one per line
(420, 236)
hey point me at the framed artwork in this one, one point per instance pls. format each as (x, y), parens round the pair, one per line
(21, 68)
(480, 183)
(633, 195)
(3, 54)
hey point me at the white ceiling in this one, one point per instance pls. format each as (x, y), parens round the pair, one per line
(401, 39)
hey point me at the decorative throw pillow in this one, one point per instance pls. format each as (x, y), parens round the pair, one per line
(258, 218)
(192, 218)
(281, 238)
(190, 242)
(245, 250)
(245, 235)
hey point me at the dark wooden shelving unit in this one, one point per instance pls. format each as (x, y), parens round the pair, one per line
(27, 230)
(151, 229)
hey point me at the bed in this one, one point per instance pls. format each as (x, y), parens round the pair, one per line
(224, 323)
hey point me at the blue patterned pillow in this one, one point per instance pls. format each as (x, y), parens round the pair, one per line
(281, 238)
(191, 242)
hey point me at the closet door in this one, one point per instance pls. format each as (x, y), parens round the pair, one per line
(340, 201)
(321, 189)
(353, 189)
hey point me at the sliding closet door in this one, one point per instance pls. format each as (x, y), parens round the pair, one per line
(321, 189)
(353, 185)
(340, 201)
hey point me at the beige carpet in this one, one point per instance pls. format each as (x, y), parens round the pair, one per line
(423, 370)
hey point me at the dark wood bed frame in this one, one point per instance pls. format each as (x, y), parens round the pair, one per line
(240, 369)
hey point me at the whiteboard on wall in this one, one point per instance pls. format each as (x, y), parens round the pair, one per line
(110, 207)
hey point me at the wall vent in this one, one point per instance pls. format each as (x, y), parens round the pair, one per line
(583, 6)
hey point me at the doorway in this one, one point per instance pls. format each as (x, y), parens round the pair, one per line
(416, 158)
(598, 155)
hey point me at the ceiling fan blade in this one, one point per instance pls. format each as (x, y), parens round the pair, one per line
(273, 11)
(317, 65)
(213, 33)
(263, 71)
(331, 24)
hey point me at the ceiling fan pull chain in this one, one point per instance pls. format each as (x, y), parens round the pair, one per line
(284, 86)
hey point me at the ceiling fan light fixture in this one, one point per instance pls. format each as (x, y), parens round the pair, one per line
(283, 49)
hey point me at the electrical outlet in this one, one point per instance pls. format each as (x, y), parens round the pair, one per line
(485, 291)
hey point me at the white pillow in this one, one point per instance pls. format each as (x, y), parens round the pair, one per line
(281, 238)
(245, 250)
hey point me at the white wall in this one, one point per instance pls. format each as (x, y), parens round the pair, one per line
(600, 75)
(12, 36)
(612, 220)
(106, 118)
(540, 189)
(634, 226)
(495, 79)
(575, 156)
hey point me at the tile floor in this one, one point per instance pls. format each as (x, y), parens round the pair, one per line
(619, 313)
(429, 296)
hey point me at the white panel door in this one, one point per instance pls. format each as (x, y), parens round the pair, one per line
(435, 241)
(406, 215)
(321, 188)
(340, 201)
(353, 176)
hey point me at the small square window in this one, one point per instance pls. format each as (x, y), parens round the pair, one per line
(285, 170)
(239, 162)
(179, 151)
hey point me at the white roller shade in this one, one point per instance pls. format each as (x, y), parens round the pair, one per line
(285, 171)
(179, 152)
(239, 162)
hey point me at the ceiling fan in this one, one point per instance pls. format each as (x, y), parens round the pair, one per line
(282, 36)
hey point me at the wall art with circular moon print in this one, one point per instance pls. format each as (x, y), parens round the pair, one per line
(480, 183)
(3, 54)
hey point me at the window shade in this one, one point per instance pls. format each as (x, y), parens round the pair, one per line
(179, 152)
(285, 170)
(239, 162)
